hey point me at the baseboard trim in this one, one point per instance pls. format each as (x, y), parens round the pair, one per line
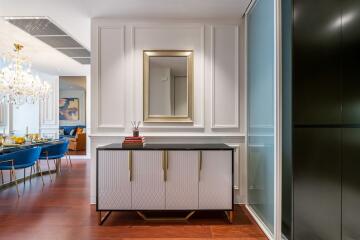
(260, 222)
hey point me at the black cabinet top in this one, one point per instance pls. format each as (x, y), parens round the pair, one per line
(118, 146)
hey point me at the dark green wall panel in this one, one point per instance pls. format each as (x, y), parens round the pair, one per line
(317, 183)
(317, 58)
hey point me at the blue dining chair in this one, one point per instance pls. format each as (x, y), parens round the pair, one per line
(55, 152)
(21, 159)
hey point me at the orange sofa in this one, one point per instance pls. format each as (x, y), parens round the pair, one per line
(78, 143)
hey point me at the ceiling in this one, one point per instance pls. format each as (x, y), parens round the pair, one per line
(73, 16)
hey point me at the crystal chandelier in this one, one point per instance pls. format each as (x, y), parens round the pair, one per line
(17, 84)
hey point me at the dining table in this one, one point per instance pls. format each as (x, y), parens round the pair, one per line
(9, 148)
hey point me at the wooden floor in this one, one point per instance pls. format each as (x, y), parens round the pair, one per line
(61, 210)
(77, 152)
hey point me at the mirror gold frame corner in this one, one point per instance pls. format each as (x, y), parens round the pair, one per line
(146, 90)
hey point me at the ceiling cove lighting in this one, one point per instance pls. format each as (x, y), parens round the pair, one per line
(17, 83)
(48, 32)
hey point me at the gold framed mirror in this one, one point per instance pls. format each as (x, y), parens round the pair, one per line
(168, 85)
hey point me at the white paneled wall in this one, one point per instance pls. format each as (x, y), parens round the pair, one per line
(179, 36)
(3, 117)
(117, 83)
(49, 109)
(225, 76)
(111, 71)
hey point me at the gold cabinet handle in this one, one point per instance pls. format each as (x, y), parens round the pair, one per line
(164, 164)
(167, 161)
(130, 165)
(200, 163)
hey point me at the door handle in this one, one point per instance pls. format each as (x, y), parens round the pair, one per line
(200, 164)
(164, 164)
(130, 163)
(167, 161)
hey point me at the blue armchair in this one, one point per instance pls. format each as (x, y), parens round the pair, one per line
(55, 152)
(21, 159)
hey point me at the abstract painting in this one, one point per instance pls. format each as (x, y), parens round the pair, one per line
(69, 109)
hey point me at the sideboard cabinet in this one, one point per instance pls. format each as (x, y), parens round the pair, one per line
(189, 177)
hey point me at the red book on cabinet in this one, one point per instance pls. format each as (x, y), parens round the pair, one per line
(133, 141)
(134, 138)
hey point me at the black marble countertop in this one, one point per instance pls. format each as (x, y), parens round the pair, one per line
(150, 146)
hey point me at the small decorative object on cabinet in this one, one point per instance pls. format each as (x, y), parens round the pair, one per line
(133, 142)
(135, 128)
(170, 177)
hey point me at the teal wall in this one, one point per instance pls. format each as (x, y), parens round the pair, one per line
(261, 82)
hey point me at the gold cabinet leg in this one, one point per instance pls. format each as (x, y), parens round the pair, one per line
(102, 219)
(230, 216)
(165, 219)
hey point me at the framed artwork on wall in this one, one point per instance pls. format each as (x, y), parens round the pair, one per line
(69, 109)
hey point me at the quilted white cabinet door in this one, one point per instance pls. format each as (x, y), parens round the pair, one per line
(215, 185)
(182, 184)
(114, 186)
(148, 184)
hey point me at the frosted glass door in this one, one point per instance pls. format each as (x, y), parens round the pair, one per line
(260, 88)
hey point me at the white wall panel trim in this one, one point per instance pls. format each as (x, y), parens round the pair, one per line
(236, 165)
(120, 125)
(235, 123)
(3, 115)
(49, 109)
(199, 98)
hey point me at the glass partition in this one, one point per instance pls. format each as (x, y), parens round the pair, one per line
(261, 108)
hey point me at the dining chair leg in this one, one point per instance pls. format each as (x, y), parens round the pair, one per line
(24, 176)
(31, 170)
(54, 160)
(37, 166)
(2, 176)
(42, 178)
(48, 164)
(16, 184)
(69, 159)
(59, 165)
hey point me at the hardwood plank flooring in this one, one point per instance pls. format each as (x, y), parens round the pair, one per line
(74, 153)
(61, 211)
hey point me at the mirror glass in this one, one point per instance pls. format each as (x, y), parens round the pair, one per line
(168, 86)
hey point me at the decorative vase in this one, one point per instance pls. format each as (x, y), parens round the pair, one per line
(135, 132)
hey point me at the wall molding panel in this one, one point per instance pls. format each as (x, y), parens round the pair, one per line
(175, 40)
(111, 45)
(49, 110)
(3, 115)
(221, 83)
(117, 89)
(117, 72)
